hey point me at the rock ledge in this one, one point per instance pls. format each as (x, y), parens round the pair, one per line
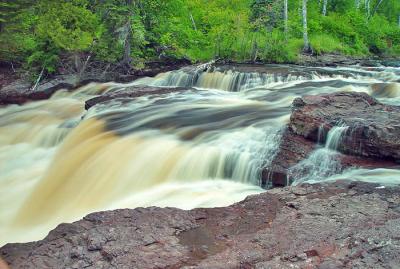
(335, 225)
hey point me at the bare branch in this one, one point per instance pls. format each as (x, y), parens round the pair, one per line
(38, 80)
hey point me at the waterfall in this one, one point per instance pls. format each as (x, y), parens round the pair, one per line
(323, 162)
(334, 137)
(115, 153)
(187, 149)
(229, 80)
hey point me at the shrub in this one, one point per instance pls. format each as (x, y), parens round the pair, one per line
(324, 43)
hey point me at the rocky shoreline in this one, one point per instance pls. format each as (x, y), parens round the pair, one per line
(17, 90)
(331, 225)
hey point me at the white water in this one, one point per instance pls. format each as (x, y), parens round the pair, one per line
(323, 162)
(334, 137)
(186, 149)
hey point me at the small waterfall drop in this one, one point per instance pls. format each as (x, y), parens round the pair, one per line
(335, 136)
(229, 80)
(323, 162)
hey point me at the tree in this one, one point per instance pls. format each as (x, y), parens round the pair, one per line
(324, 7)
(267, 13)
(119, 35)
(376, 7)
(285, 16)
(66, 26)
(367, 8)
(11, 9)
(123, 30)
(126, 34)
(16, 21)
(307, 47)
(357, 4)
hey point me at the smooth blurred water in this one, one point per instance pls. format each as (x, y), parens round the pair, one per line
(187, 149)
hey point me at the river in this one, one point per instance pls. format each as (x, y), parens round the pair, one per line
(203, 147)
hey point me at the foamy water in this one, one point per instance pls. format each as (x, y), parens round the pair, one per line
(201, 148)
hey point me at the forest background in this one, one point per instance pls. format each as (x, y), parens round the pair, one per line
(50, 36)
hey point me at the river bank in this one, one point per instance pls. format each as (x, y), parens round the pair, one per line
(17, 88)
(335, 225)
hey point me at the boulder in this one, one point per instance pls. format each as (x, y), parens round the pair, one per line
(292, 150)
(336, 225)
(151, 70)
(20, 91)
(370, 140)
(295, 148)
(373, 128)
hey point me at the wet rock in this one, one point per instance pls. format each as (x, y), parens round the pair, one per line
(338, 60)
(371, 140)
(373, 128)
(131, 93)
(276, 229)
(21, 91)
(151, 69)
(292, 150)
(295, 149)
(3, 264)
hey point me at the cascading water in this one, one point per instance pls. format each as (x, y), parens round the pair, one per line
(335, 136)
(323, 162)
(204, 147)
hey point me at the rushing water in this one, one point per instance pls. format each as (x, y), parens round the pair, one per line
(195, 148)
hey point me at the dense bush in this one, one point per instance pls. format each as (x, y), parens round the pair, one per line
(52, 35)
(324, 43)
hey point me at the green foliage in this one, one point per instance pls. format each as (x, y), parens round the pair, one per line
(266, 14)
(377, 35)
(43, 33)
(67, 25)
(278, 49)
(120, 22)
(324, 43)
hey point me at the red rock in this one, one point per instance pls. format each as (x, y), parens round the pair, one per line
(292, 150)
(371, 141)
(373, 128)
(20, 92)
(329, 225)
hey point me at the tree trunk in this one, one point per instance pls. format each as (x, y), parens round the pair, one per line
(324, 7)
(254, 52)
(285, 16)
(367, 8)
(307, 47)
(193, 22)
(127, 45)
(83, 68)
(357, 4)
(38, 80)
(127, 60)
(376, 7)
